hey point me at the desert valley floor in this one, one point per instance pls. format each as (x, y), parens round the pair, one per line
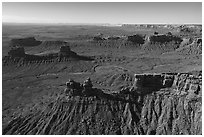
(144, 79)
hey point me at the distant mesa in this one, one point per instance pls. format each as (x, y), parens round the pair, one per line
(25, 42)
(17, 48)
(17, 54)
(140, 39)
(20, 52)
(164, 38)
(137, 39)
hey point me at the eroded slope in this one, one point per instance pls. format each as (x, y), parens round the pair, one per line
(174, 107)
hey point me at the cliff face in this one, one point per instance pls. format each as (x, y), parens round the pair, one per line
(172, 107)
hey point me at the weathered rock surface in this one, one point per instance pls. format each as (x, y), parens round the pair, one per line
(174, 109)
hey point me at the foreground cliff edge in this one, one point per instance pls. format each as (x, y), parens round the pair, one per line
(162, 104)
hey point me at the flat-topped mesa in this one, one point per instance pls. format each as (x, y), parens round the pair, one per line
(28, 41)
(16, 52)
(164, 38)
(66, 52)
(152, 81)
(137, 39)
(180, 82)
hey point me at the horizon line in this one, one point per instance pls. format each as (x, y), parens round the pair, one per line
(102, 23)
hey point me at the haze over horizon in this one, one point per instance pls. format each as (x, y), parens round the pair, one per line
(103, 12)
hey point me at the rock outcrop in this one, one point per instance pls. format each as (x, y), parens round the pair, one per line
(74, 88)
(174, 107)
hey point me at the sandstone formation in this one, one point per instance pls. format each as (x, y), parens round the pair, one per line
(174, 107)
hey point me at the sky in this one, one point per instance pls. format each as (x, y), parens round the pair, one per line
(112, 13)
